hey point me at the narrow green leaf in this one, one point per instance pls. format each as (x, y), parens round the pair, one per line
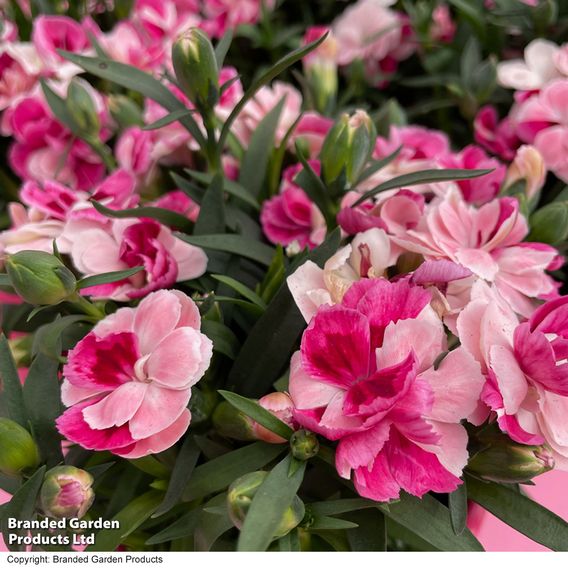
(42, 398)
(59, 108)
(108, 277)
(425, 176)
(521, 513)
(164, 216)
(255, 161)
(337, 507)
(234, 244)
(168, 119)
(269, 345)
(219, 473)
(48, 337)
(241, 289)
(224, 340)
(151, 466)
(371, 532)
(21, 507)
(183, 468)
(430, 520)
(457, 502)
(136, 80)
(181, 528)
(212, 525)
(211, 218)
(231, 187)
(331, 524)
(130, 518)
(268, 506)
(11, 394)
(222, 47)
(265, 78)
(378, 165)
(189, 188)
(253, 410)
(290, 542)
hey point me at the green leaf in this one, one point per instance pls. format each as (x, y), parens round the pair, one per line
(21, 507)
(290, 542)
(371, 532)
(241, 289)
(521, 513)
(136, 80)
(377, 165)
(212, 525)
(219, 473)
(340, 506)
(11, 394)
(549, 224)
(183, 468)
(5, 280)
(457, 502)
(253, 410)
(430, 520)
(224, 340)
(42, 398)
(168, 119)
(59, 108)
(231, 187)
(108, 277)
(425, 176)
(255, 161)
(235, 244)
(181, 528)
(269, 345)
(331, 524)
(211, 218)
(222, 47)
(47, 338)
(265, 78)
(130, 518)
(164, 216)
(268, 506)
(472, 14)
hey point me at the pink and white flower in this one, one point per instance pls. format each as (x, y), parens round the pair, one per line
(136, 363)
(365, 376)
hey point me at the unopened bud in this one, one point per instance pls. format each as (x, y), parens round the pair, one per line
(348, 147)
(321, 67)
(18, 451)
(231, 423)
(40, 278)
(82, 109)
(67, 492)
(240, 496)
(125, 111)
(528, 165)
(196, 68)
(304, 445)
(279, 404)
(509, 462)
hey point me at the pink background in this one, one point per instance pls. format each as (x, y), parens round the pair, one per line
(550, 491)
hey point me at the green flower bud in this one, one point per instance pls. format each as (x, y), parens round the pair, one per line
(348, 147)
(66, 492)
(124, 111)
(231, 423)
(196, 68)
(18, 451)
(304, 445)
(40, 278)
(506, 461)
(82, 109)
(240, 496)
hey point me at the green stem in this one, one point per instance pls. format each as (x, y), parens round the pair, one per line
(87, 307)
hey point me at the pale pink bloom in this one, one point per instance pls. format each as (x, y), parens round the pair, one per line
(418, 143)
(281, 405)
(8, 31)
(443, 28)
(133, 151)
(263, 102)
(496, 136)
(222, 15)
(488, 242)
(482, 189)
(365, 376)
(368, 256)
(128, 382)
(534, 71)
(542, 120)
(20, 67)
(561, 59)
(179, 202)
(96, 248)
(291, 218)
(528, 165)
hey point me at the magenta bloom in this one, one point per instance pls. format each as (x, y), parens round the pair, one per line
(128, 382)
(365, 376)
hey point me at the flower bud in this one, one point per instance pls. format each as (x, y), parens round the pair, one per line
(124, 111)
(66, 492)
(304, 445)
(241, 493)
(506, 461)
(18, 451)
(528, 165)
(196, 68)
(348, 147)
(279, 404)
(231, 423)
(39, 277)
(82, 109)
